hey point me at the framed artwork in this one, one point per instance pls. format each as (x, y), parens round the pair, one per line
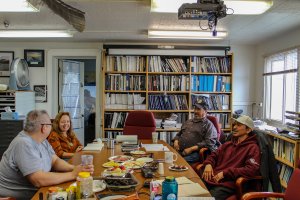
(34, 58)
(40, 93)
(6, 58)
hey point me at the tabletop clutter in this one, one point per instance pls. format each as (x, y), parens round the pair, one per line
(118, 175)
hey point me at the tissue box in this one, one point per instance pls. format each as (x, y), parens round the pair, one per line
(9, 116)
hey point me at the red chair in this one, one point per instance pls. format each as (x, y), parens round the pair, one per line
(291, 192)
(140, 123)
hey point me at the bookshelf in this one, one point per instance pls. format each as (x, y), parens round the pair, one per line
(286, 152)
(164, 85)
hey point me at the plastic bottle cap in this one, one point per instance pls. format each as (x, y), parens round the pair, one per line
(84, 174)
(170, 178)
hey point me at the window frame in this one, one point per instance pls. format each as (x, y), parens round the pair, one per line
(267, 89)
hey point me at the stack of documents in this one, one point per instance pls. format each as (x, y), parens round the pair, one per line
(93, 147)
(155, 147)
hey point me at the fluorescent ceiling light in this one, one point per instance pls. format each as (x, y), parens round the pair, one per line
(186, 34)
(16, 6)
(246, 7)
(34, 33)
(254, 7)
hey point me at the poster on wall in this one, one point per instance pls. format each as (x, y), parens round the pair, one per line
(6, 58)
(40, 93)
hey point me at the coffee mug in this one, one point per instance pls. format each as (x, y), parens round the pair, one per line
(170, 157)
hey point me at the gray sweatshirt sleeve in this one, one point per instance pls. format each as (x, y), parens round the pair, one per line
(211, 138)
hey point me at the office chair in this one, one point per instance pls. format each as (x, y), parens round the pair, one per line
(291, 192)
(140, 123)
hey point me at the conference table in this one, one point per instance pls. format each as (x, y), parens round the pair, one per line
(101, 157)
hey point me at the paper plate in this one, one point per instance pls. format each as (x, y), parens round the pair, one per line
(110, 164)
(120, 158)
(145, 159)
(131, 164)
(137, 152)
(113, 197)
(174, 168)
(98, 185)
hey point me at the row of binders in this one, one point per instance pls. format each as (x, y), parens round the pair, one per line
(211, 83)
(210, 64)
(165, 64)
(214, 101)
(285, 173)
(114, 119)
(126, 63)
(125, 101)
(125, 82)
(168, 83)
(167, 102)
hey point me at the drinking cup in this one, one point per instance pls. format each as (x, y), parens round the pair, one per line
(87, 159)
(170, 157)
(154, 137)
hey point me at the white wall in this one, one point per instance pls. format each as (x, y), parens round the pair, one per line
(283, 42)
(243, 77)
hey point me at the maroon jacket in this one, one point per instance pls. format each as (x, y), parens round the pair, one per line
(235, 160)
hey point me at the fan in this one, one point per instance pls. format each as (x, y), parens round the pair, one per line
(19, 75)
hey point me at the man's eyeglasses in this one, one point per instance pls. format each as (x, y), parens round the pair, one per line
(47, 124)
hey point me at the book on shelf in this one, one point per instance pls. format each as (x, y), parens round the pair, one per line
(125, 63)
(210, 64)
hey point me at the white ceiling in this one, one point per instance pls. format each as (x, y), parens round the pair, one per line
(129, 20)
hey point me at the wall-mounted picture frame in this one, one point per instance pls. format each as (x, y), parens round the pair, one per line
(34, 58)
(6, 58)
(40, 93)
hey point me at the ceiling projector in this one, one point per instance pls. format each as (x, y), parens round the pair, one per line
(202, 10)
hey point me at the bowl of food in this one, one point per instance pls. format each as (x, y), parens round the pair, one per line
(126, 183)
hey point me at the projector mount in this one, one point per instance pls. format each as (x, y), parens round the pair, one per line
(210, 10)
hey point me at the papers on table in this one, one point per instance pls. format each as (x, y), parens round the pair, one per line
(193, 189)
(155, 147)
(93, 147)
(187, 188)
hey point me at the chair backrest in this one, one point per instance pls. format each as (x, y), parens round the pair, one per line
(140, 123)
(215, 122)
(292, 190)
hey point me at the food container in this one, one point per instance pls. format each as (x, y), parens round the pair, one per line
(127, 183)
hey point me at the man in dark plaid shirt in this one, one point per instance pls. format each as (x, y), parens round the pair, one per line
(196, 133)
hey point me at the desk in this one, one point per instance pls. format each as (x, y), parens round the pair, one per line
(102, 156)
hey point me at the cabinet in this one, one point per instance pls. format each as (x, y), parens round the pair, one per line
(9, 130)
(165, 85)
(286, 152)
(19, 101)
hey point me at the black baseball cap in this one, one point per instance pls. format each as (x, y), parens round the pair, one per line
(201, 104)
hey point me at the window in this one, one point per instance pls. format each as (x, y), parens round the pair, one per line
(281, 85)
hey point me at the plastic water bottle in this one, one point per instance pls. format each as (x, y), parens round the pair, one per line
(169, 188)
(84, 185)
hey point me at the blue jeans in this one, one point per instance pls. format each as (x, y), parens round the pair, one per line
(193, 157)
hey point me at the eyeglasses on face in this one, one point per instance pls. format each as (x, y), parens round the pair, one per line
(47, 124)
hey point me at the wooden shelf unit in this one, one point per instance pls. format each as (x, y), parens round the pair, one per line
(286, 152)
(182, 93)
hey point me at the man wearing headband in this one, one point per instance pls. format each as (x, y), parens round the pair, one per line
(238, 157)
(196, 133)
